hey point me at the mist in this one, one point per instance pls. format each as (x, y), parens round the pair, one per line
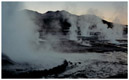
(61, 44)
(20, 38)
(20, 35)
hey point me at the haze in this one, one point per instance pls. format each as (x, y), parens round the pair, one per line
(110, 11)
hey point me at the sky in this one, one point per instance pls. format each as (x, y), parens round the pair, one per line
(110, 11)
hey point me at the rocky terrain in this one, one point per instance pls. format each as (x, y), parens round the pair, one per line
(83, 46)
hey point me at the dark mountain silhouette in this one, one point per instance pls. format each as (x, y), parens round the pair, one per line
(58, 23)
(44, 21)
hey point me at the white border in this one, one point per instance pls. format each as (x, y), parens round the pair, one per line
(66, 0)
(52, 1)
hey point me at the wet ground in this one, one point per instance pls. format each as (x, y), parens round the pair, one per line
(97, 61)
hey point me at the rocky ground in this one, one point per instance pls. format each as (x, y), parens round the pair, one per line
(76, 65)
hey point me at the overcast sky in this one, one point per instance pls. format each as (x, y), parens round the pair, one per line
(111, 11)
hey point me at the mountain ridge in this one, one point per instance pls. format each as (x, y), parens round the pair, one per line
(103, 20)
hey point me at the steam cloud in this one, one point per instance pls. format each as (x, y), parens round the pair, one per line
(20, 36)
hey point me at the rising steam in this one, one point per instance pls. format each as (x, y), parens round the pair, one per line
(20, 37)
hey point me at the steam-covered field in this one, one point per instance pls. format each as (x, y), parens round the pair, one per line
(85, 65)
(58, 44)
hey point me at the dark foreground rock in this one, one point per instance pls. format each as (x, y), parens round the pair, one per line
(35, 73)
(122, 76)
(94, 69)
